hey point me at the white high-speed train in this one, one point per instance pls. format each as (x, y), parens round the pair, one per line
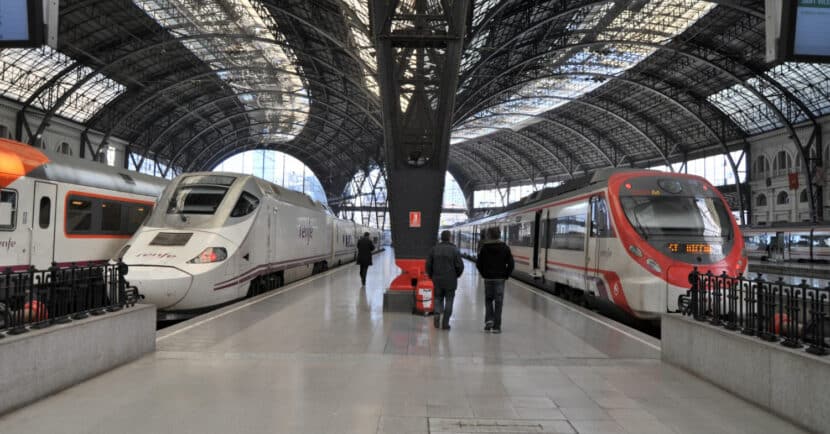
(628, 238)
(218, 237)
(67, 210)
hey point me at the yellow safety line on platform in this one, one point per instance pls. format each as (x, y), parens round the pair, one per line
(255, 300)
(541, 293)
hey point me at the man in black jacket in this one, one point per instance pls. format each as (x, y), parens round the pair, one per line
(444, 267)
(495, 264)
(365, 247)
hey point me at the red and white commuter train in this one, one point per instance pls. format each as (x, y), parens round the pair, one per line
(67, 210)
(218, 237)
(626, 237)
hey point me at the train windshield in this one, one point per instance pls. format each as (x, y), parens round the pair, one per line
(677, 216)
(201, 194)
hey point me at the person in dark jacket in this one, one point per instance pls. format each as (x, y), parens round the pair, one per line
(495, 264)
(365, 247)
(444, 267)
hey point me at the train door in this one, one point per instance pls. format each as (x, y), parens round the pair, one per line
(43, 225)
(537, 269)
(598, 248)
(544, 242)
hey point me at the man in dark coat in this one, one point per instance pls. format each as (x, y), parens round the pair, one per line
(444, 267)
(495, 264)
(365, 247)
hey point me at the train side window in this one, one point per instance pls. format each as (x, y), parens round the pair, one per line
(600, 226)
(79, 215)
(8, 210)
(110, 217)
(136, 215)
(45, 213)
(246, 204)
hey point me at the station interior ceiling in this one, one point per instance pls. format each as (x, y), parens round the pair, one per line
(548, 90)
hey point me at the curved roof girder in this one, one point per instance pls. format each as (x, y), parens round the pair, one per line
(221, 140)
(497, 147)
(167, 89)
(170, 127)
(650, 88)
(531, 140)
(176, 40)
(493, 13)
(491, 172)
(562, 125)
(339, 44)
(694, 57)
(611, 113)
(192, 140)
(303, 155)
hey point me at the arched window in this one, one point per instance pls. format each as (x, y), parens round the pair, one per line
(64, 148)
(803, 197)
(783, 198)
(761, 200)
(761, 167)
(783, 163)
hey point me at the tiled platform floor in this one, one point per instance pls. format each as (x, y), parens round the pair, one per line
(322, 357)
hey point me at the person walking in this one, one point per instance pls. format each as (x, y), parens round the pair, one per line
(365, 247)
(495, 264)
(444, 267)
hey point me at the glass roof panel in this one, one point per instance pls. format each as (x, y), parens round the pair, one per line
(809, 82)
(357, 17)
(25, 70)
(250, 60)
(656, 22)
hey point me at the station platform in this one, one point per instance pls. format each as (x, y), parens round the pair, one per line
(321, 356)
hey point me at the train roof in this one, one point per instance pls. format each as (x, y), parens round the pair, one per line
(19, 160)
(567, 189)
(281, 193)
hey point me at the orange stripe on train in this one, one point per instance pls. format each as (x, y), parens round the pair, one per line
(17, 160)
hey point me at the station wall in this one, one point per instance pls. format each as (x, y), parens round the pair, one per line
(62, 135)
(774, 156)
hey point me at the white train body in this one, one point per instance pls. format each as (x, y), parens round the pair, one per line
(218, 237)
(628, 238)
(55, 208)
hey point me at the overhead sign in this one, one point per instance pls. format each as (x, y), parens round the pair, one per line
(21, 23)
(14, 20)
(414, 219)
(812, 28)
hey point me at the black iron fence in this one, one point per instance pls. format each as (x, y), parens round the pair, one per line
(34, 299)
(795, 315)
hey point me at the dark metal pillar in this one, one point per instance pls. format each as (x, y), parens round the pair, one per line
(419, 46)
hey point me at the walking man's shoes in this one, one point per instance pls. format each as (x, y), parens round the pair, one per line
(436, 320)
(488, 326)
(496, 331)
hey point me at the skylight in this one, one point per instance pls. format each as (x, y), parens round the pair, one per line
(250, 59)
(25, 70)
(570, 77)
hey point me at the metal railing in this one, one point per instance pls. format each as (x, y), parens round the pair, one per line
(795, 315)
(35, 299)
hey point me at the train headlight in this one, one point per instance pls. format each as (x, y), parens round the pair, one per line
(635, 251)
(210, 255)
(654, 265)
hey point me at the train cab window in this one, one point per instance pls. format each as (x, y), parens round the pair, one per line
(110, 217)
(246, 204)
(44, 213)
(600, 223)
(8, 210)
(79, 215)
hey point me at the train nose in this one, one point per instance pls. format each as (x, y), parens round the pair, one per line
(162, 286)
